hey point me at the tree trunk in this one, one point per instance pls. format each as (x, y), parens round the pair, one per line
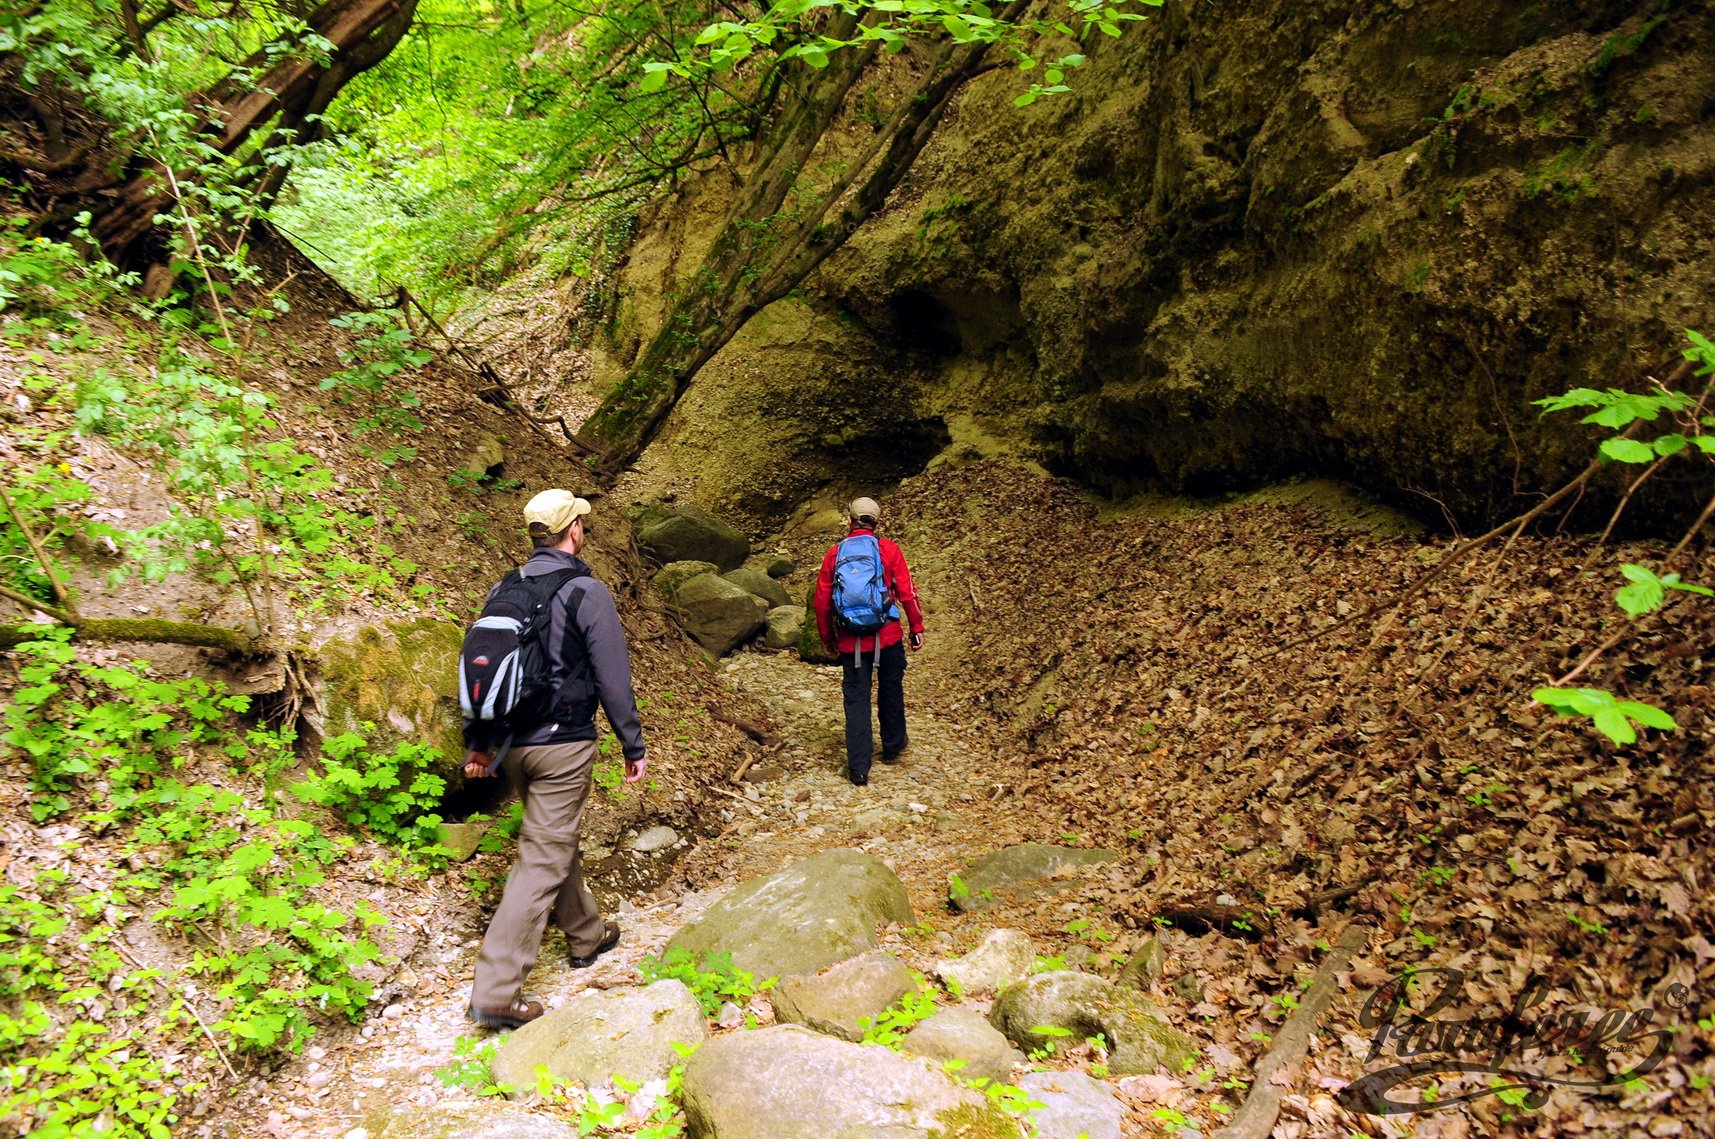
(759, 256)
(297, 84)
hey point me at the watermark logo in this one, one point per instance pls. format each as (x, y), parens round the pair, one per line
(1510, 1048)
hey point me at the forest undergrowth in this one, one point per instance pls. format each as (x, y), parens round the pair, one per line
(193, 884)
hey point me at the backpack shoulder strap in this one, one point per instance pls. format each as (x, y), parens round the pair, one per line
(548, 585)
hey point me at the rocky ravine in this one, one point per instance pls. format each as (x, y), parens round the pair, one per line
(926, 817)
(1257, 239)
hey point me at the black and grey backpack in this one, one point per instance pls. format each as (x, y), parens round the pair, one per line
(504, 673)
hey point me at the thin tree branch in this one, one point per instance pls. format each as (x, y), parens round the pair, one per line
(61, 593)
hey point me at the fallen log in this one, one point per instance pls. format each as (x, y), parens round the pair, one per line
(1256, 1117)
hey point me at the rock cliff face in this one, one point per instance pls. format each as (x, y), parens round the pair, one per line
(1261, 238)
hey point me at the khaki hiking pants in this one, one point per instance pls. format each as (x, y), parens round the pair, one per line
(554, 780)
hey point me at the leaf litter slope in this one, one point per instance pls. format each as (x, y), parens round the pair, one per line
(1134, 676)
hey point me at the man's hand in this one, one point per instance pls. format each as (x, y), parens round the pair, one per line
(634, 768)
(916, 641)
(477, 765)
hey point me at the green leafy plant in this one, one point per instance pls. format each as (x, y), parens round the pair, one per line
(1613, 717)
(390, 794)
(714, 982)
(472, 1067)
(1051, 1035)
(888, 1028)
(1692, 434)
(372, 377)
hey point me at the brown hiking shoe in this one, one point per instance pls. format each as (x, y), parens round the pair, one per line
(609, 939)
(515, 1015)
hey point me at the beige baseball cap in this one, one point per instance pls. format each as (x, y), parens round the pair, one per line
(865, 508)
(554, 510)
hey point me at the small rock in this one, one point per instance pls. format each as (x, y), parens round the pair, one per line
(964, 1034)
(1188, 986)
(462, 838)
(319, 1079)
(1074, 1105)
(655, 838)
(1147, 964)
(1003, 956)
(392, 1012)
(485, 458)
(1139, 1035)
(730, 1015)
(837, 1001)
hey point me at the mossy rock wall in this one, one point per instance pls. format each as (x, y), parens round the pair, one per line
(402, 681)
(1261, 239)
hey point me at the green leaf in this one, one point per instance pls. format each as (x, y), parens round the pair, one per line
(1644, 595)
(1628, 451)
(1701, 351)
(1672, 582)
(654, 78)
(1025, 99)
(1612, 722)
(1648, 715)
(1670, 445)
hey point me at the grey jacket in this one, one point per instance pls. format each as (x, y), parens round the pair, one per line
(599, 640)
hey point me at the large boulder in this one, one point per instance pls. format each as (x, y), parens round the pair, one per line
(601, 1034)
(689, 534)
(1139, 1036)
(456, 1119)
(801, 918)
(1019, 871)
(785, 626)
(671, 576)
(964, 1034)
(786, 1082)
(760, 584)
(837, 1001)
(718, 614)
(393, 684)
(1074, 1106)
(1000, 958)
(811, 650)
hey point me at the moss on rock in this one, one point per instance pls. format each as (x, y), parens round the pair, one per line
(968, 1121)
(402, 680)
(810, 647)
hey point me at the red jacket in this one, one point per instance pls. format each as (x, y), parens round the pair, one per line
(899, 588)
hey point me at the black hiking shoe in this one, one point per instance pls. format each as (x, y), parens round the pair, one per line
(515, 1015)
(609, 939)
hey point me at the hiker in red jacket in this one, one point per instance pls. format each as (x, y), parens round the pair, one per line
(864, 581)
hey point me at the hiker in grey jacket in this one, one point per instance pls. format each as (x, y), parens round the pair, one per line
(551, 763)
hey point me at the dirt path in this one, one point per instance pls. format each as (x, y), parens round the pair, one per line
(924, 815)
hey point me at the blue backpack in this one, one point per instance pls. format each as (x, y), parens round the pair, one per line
(860, 603)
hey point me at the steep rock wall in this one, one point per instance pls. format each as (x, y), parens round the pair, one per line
(1265, 238)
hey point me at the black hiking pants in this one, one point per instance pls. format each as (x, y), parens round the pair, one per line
(890, 706)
